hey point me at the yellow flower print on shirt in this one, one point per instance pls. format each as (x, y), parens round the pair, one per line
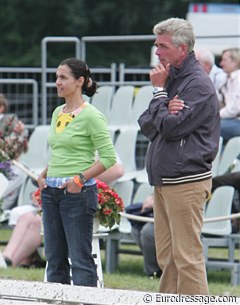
(63, 120)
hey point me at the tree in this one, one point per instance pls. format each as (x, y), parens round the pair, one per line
(24, 23)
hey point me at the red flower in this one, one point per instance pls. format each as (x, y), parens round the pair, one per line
(110, 205)
(37, 196)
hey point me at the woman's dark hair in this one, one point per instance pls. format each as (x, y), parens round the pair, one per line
(79, 68)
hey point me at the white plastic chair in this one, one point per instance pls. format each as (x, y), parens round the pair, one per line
(125, 190)
(125, 145)
(216, 162)
(140, 104)
(143, 191)
(36, 158)
(86, 98)
(219, 205)
(218, 233)
(142, 176)
(3, 184)
(25, 192)
(229, 155)
(102, 99)
(121, 107)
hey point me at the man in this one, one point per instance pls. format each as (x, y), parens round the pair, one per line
(230, 112)
(182, 123)
(207, 60)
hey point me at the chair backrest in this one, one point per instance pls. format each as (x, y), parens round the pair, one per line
(220, 204)
(216, 162)
(121, 106)
(26, 190)
(140, 103)
(37, 156)
(102, 99)
(125, 190)
(229, 155)
(125, 145)
(3, 184)
(86, 98)
(142, 192)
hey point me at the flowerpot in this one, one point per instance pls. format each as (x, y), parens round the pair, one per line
(96, 225)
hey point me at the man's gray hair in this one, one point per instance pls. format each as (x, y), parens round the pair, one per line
(205, 55)
(181, 31)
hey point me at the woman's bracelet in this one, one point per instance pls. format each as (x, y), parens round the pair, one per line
(77, 180)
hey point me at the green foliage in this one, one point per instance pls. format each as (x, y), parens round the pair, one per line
(24, 23)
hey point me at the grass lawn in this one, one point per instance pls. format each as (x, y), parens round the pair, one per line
(129, 274)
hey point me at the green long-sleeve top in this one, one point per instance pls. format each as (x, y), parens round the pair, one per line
(73, 150)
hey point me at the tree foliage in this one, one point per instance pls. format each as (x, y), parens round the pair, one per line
(24, 23)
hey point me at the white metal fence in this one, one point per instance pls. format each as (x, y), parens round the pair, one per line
(32, 94)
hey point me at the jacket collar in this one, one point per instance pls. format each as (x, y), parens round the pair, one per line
(185, 68)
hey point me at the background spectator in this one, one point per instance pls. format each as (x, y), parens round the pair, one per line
(230, 94)
(207, 60)
(13, 141)
(26, 238)
(143, 234)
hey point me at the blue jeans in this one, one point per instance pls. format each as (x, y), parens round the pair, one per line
(230, 128)
(68, 228)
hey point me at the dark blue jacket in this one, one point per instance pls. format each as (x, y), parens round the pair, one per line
(183, 145)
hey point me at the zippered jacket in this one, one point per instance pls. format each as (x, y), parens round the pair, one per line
(183, 145)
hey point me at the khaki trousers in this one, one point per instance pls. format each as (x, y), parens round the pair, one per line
(178, 220)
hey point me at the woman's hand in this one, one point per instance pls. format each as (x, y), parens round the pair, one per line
(71, 187)
(41, 182)
(42, 179)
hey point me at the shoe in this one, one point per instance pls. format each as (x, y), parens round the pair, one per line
(156, 274)
(8, 261)
(4, 216)
(24, 266)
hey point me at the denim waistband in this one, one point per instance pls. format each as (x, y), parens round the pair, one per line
(58, 181)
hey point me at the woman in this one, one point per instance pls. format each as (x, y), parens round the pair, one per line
(24, 242)
(69, 192)
(13, 141)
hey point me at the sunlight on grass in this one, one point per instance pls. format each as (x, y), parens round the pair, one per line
(22, 274)
(126, 281)
(222, 253)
